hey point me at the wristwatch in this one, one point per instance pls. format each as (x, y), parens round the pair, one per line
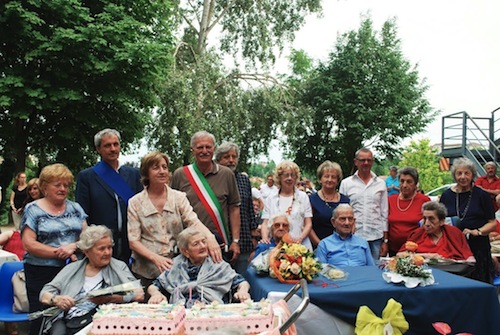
(386, 240)
(236, 240)
(479, 232)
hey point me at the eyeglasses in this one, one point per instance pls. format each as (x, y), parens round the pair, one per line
(345, 219)
(283, 225)
(289, 175)
(365, 160)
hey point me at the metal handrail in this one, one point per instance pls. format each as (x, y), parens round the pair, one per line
(302, 284)
(473, 129)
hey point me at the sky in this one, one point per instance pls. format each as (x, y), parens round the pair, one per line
(455, 44)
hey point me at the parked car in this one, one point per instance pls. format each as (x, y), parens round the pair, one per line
(436, 193)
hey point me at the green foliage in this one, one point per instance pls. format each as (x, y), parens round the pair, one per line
(204, 98)
(201, 93)
(424, 157)
(261, 170)
(70, 68)
(366, 94)
(255, 29)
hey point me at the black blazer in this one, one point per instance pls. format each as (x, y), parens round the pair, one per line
(98, 201)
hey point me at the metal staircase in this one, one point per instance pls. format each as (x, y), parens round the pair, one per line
(477, 138)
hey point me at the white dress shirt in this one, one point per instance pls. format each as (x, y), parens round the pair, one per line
(370, 205)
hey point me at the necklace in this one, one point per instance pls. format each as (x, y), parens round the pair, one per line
(326, 200)
(407, 207)
(457, 203)
(289, 209)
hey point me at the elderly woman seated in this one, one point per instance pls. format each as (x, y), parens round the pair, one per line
(436, 237)
(96, 271)
(279, 227)
(194, 276)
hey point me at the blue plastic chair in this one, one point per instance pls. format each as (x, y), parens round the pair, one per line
(7, 270)
(496, 281)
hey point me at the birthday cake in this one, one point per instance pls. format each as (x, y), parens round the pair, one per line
(252, 317)
(139, 319)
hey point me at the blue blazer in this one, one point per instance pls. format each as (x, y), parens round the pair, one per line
(98, 201)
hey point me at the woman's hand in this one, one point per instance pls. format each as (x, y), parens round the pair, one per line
(242, 293)
(265, 240)
(64, 302)
(214, 249)
(65, 251)
(162, 263)
(157, 298)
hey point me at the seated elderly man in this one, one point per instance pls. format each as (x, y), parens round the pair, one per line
(194, 276)
(343, 248)
(279, 227)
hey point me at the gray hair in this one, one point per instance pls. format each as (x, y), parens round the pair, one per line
(185, 235)
(328, 165)
(362, 150)
(410, 171)
(437, 207)
(393, 168)
(341, 207)
(105, 132)
(276, 216)
(224, 148)
(490, 163)
(463, 162)
(201, 134)
(92, 234)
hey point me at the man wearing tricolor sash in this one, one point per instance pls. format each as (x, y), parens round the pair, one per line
(212, 191)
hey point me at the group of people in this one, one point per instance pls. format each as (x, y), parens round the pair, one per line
(189, 235)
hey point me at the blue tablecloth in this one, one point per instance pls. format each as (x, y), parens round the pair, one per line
(465, 304)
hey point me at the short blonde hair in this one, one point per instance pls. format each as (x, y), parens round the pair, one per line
(328, 165)
(55, 172)
(285, 165)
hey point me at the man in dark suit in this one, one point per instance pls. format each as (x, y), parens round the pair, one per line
(104, 189)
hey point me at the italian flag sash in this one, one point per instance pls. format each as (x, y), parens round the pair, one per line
(208, 199)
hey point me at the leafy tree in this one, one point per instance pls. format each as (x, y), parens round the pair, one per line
(201, 93)
(229, 112)
(69, 68)
(422, 156)
(366, 94)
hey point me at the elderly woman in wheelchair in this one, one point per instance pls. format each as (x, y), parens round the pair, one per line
(194, 276)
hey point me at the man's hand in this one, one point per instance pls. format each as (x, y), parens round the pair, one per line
(235, 248)
(384, 249)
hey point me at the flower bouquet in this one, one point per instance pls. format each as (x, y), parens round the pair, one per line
(408, 268)
(290, 262)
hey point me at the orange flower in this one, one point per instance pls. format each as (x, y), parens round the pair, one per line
(288, 239)
(411, 246)
(418, 260)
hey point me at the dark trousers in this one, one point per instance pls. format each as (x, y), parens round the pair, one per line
(36, 278)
